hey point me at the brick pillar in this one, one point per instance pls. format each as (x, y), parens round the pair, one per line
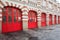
(57, 19)
(53, 19)
(0, 20)
(39, 20)
(47, 19)
(25, 20)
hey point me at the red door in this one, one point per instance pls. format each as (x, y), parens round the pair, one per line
(32, 19)
(50, 19)
(58, 19)
(54, 19)
(43, 19)
(11, 21)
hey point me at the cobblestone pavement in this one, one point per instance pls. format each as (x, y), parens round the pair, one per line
(48, 33)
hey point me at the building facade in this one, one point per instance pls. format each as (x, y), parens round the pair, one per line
(17, 15)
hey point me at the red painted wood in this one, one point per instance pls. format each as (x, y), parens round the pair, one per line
(54, 19)
(13, 25)
(4, 27)
(17, 25)
(4, 24)
(50, 19)
(58, 19)
(43, 19)
(32, 20)
(32, 25)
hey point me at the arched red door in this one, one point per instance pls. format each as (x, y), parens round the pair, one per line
(32, 19)
(12, 19)
(58, 19)
(43, 19)
(50, 19)
(54, 19)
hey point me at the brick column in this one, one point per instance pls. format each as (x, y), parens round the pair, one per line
(53, 19)
(47, 19)
(25, 20)
(0, 20)
(57, 19)
(39, 20)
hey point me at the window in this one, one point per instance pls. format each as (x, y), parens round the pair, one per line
(15, 12)
(43, 3)
(19, 16)
(32, 17)
(4, 19)
(31, 20)
(50, 5)
(4, 11)
(19, 0)
(9, 11)
(15, 19)
(9, 18)
(19, 19)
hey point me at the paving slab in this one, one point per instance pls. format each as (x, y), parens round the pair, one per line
(48, 33)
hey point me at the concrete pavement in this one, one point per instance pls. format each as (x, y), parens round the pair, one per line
(48, 33)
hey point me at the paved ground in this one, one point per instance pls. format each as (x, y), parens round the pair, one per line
(48, 33)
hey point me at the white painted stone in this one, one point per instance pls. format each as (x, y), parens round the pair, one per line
(1, 6)
(0, 10)
(25, 23)
(52, 19)
(47, 19)
(57, 19)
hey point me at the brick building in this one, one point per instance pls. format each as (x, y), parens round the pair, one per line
(17, 15)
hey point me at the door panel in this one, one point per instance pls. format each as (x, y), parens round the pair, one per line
(4, 20)
(58, 19)
(4, 24)
(17, 19)
(43, 19)
(50, 19)
(54, 19)
(9, 19)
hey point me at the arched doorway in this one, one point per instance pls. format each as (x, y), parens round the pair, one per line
(58, 19)
(32, 19)
(50, 19)
(12, 19)
(43, 19)
(54, 19)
